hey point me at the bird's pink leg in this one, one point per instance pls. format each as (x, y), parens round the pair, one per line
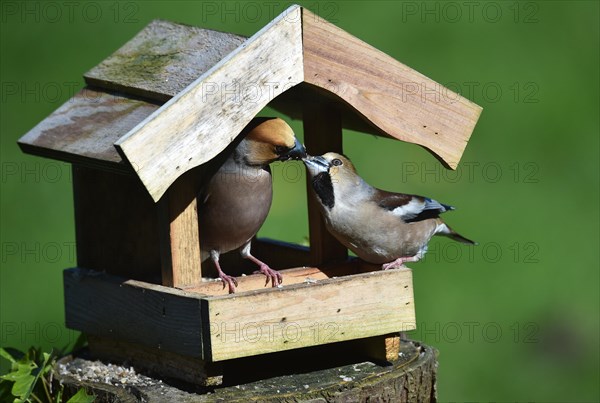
(227, 279)
(400, 262)
(273, 275)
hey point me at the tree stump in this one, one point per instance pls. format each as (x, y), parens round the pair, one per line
(412, 377)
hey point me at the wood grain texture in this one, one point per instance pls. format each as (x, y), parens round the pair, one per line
(399, 100)
(206, 116)
(180, 233)
(383, 348)
(294, 275)
(322, 134)
(324, 310)
(116, 224)
(109, 306)
(162, 59)
(84, 129)
(301, 315)
(219, 82)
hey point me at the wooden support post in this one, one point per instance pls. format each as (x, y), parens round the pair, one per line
(322, 133)
(179, 233)
(382, 348)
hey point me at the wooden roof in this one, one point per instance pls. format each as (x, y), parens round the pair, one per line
(175, 96)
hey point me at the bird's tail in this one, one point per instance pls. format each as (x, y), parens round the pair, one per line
(445, 230)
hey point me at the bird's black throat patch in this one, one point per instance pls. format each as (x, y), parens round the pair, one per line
(324, 189)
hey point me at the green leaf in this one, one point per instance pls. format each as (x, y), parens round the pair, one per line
(22, 386)
(22, 378)
(6, 355)
(20, 371)
(28, 357)
(48, 362)
(81, 397)
(37, 376)
(15, 354)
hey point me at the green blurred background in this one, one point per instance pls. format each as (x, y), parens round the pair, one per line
(514, 319)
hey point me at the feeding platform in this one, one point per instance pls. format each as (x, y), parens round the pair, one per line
(139, 136)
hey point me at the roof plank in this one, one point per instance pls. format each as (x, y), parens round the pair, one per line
(203, 119)
(162, 59)
(84, 129)
(399, 100)
(214, 83)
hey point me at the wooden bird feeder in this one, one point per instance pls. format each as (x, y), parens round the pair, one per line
(138, 136)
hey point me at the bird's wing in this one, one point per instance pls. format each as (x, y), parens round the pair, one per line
(410, 207)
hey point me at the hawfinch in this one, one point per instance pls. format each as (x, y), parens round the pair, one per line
(236, 200)
(379, 227)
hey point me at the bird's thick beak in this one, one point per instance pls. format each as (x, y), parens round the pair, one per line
(296, 153)
(316, 164)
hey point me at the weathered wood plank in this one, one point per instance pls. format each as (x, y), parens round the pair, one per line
(295, 275)
(165, 58)
(301, 315)
(203, 119)
(116, 225)
(322, 133)
(399, 100)
(162, 59)
(214, 328)
(84, 129)
(108, 306)
(180, 233)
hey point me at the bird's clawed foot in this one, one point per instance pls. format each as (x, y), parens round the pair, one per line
(396, 264)
(225, 278)
(272, 275)
(229, 280)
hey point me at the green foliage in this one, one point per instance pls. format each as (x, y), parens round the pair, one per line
(30, 378)
(81, 397)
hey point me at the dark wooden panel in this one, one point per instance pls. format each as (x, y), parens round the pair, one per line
(163, 59)
(155, 316)
(280, 255)
(116, 225)
(84, 129)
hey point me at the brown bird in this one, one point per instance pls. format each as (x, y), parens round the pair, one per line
(378, 226)
(236, 200)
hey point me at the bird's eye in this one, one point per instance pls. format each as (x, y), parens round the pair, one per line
(336, 162)
(280, 149)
